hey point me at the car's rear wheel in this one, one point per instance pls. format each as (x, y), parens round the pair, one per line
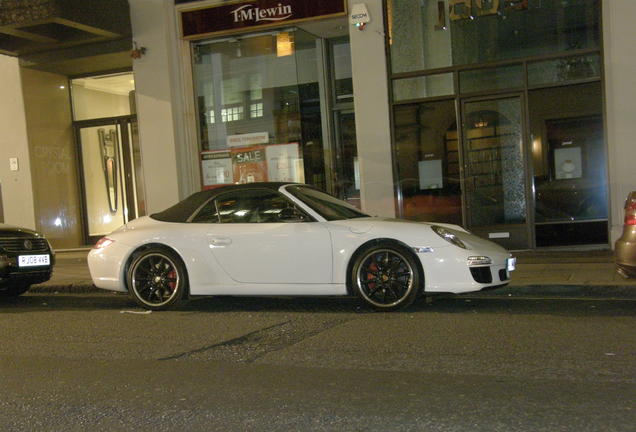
(386, 277)
(14, 290)
(157, 278)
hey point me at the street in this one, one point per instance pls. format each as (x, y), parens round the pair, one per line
(96, 361)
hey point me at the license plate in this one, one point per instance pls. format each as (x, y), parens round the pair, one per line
(33, 260)
(511, 264)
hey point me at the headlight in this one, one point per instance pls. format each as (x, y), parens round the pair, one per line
(448, 236)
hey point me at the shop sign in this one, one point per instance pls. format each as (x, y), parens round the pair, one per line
(247, 139)
(240, 16)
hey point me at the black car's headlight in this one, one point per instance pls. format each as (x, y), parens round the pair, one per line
(448, 236)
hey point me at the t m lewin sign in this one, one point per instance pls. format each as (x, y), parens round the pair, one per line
(243, 16)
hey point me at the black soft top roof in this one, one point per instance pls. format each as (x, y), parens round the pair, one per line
(181, 211)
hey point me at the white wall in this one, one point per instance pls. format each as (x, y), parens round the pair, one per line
(153, 27)
(619, 34)
(371, 102)
(17, 193)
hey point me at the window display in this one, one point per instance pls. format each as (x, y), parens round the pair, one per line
(259, 110)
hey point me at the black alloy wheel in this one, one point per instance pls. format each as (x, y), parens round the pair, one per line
(386, 277)
(156, 278)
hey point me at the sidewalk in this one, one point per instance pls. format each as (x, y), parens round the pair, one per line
(551, 273)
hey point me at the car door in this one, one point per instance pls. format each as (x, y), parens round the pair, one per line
(262, 238)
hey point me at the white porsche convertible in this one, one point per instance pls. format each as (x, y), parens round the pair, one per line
(290, 239)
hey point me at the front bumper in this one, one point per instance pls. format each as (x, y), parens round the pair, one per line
(12, 274)
(448, 271)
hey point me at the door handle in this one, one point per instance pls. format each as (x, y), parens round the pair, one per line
(220, 241)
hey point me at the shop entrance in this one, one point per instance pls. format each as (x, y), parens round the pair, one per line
(494, 170)
(112, 187)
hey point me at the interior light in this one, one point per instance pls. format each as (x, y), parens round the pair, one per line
(62, 87)
(57, 222)
(284, 44)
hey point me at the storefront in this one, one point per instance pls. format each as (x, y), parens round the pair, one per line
(273, 94)
(498, 119)
(511, 118)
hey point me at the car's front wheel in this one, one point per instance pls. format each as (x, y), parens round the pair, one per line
(386, 277)
(157, 278)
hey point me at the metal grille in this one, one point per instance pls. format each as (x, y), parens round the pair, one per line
(17, 244)
(481, 274)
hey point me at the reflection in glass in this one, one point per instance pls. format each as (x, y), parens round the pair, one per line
(428, 161)
(428, 34)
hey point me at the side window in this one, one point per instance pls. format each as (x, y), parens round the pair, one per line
(252, 206)
(207, 214)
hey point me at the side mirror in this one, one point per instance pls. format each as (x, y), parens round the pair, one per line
(290, 214)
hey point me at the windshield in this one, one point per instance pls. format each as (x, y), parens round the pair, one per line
(325, 205)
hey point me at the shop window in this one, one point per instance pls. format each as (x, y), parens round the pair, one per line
(427, 151)
(342, 75)
(259, 111)
(423, 87)
(429, 34)
(504, 77)
(569, 165)
(564, 69)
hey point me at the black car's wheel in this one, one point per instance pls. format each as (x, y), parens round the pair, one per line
(157, 278)
(386, 277)
(14, 290)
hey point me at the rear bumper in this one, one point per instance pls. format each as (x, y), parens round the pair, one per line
(107, 269)
(625, 252)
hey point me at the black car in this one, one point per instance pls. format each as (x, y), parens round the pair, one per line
(26, 258)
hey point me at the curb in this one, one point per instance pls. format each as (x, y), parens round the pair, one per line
(622, 292)
(74, 288)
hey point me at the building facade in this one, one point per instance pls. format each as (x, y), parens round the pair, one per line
(508, 117)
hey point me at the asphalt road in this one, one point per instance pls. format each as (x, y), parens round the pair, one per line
(94, 362)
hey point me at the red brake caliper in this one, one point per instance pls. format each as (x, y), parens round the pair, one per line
(172, 275)
(372, 268)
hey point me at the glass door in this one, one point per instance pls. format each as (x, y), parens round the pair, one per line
(494, 170)
(110, 161)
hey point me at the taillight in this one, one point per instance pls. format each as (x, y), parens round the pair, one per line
(103, 242)
(630, 211)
